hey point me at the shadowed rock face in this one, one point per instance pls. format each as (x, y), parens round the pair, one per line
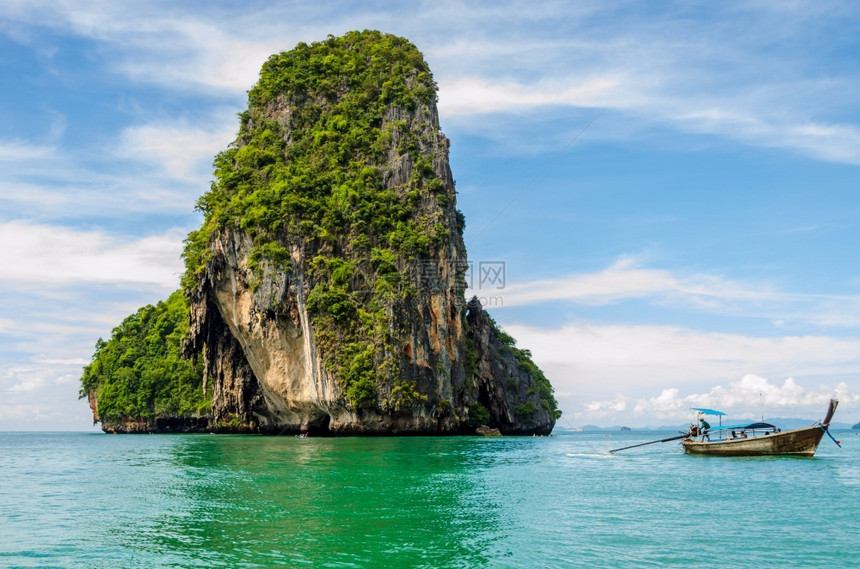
(328, 292)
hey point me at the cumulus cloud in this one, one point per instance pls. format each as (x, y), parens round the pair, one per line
(22, 379)
(32, 253)
(605, 373)
(14, 416)
(748, 397)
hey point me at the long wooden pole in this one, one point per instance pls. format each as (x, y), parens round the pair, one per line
(613, 451)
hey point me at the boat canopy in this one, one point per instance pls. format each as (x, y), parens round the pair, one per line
(708, 411)
(749, 426)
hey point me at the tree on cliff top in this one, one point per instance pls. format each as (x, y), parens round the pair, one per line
(326, 183)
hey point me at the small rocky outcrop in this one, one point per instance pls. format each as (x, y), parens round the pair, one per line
(137, 381)
(506, 382)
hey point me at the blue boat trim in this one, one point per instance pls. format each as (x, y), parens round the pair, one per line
(746, 426)
(708, 411)
(823, 428)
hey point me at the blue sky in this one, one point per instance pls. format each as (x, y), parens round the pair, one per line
(695, 245)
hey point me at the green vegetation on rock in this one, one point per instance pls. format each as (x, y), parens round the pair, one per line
(479, 415)
(542, 387)
(139, 375)
(308, 170)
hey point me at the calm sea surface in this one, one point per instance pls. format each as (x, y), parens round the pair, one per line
(94, 500)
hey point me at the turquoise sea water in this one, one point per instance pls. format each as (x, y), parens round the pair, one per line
(94, 500)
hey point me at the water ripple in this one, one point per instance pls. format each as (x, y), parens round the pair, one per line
(81, 500)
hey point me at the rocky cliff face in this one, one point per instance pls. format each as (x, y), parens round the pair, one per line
(326, 283)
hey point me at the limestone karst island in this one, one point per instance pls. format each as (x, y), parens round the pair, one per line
(324, 291)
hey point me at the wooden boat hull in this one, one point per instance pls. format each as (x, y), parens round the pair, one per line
(798, 442)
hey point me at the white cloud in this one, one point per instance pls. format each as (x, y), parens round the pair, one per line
(33, 253)
(53, 415)
(60, 361)
(29, 384)
(664, 70)
(17, 151)
(754, 121)
(16, 415)
(181, 48)
(184, 152)
(69, 378)
(202, 55)
(626, 279)
(42, 395)
(471, 95)
(759, 126)
(601, 371)
(749, 397)
(620, 355)
(153, 167)
(50, 336)
(21, 379)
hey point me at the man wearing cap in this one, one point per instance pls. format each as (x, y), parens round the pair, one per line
(703, 428)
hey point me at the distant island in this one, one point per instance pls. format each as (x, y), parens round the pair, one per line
(857, 426)
(324, 291)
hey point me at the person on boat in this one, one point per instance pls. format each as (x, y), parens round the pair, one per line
(734, 436)
(743, 435)
(703, 428)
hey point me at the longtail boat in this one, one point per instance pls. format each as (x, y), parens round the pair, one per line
(756, 439)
